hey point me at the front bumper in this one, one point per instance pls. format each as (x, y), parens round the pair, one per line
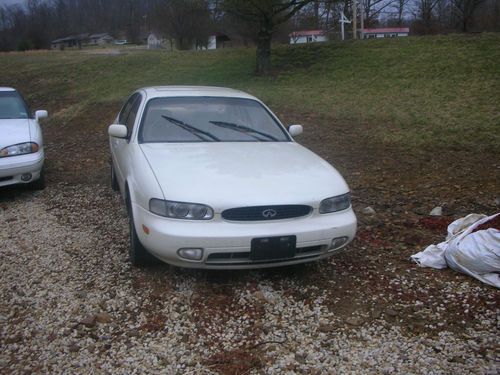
(226, 245)
(13, 167)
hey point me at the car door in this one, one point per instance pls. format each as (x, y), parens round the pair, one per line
(121, 146)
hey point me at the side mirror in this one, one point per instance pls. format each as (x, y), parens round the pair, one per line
(118, 131)
(295, 130)
(40, 114)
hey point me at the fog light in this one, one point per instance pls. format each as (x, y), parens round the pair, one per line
(338, 242)
(190, 254)
(26, 177)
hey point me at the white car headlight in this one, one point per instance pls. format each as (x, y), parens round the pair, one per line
(19, 149)
(334, 204)
(180, 210)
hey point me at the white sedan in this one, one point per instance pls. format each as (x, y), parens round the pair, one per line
(212, 179)
(21, 143)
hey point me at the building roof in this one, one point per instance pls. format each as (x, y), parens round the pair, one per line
(296, 34)
(66, 39)
(156, 35)
(71, 37)
(100, 35)
(387, 30)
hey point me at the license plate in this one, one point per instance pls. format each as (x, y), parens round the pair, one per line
(273, 248)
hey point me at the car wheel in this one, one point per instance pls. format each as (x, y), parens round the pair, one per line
(40, 183)
(114, 181)
(138, 254)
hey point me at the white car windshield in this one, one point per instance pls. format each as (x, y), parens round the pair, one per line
(12, 106)
(208, 119)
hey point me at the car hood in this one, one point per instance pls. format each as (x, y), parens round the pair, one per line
(226, 175)
(14, 131)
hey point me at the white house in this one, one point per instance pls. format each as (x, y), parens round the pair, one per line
(212, 42)
(388, 32)
(70, 41)
(155, 41)
(100, 39)
(217, 40)
(307, 36)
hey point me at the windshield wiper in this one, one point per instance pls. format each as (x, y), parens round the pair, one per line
(242, 129)
(191, 129)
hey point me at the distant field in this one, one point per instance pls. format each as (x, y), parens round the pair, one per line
(418, 93)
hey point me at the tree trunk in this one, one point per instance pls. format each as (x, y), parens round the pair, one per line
(264, 52)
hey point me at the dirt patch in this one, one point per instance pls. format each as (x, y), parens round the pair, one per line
(330, 314)
(235, 362)
(402, 188)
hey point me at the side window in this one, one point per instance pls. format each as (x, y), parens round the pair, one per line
(126, 109)
(129, 122)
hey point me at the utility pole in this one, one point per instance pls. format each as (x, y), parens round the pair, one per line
(343, 20)
(362, 14)
(354, 19)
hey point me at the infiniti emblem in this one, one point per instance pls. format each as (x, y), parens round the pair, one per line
(269, 213)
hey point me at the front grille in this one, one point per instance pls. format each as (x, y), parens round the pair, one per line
(263, 213)
(242, 258)
(6, 178)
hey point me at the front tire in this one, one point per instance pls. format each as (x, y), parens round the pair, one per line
(114, 181)
(138, 254)
(40, 183)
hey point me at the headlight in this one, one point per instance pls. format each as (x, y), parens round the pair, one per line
(180, 210)
(333, 204)
(19, 149)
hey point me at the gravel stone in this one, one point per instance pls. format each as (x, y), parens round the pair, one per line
(436, 211)
(368, 211)
(71, 303)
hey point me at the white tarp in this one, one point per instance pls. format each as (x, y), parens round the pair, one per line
(474, 253)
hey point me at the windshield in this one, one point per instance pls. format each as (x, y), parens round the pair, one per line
(208, 119)
(12, 106)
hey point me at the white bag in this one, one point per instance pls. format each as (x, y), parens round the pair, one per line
(476, 254)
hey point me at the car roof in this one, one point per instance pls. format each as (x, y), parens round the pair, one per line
(176, 91)
(7, 89)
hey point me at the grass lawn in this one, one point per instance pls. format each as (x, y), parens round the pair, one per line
(416, 93)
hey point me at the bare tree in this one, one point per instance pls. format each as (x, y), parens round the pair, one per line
(425, 13)
(466, 9)
(266, 15)
(399, 8)
(186, 21)
(373, 8)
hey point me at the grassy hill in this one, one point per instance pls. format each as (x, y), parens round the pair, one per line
(417, 93)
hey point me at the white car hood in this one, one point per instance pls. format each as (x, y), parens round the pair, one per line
(14, 131)
(225, 175)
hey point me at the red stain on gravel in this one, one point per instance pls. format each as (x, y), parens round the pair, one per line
(372, 238)
(438, 224)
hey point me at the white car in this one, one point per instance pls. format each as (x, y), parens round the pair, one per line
(21, 143)
(212, 179)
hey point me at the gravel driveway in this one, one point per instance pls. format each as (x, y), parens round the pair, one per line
(71, 303)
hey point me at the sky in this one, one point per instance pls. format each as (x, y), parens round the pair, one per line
(11, 2)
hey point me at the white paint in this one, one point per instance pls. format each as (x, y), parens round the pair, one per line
(226, 175)
(17, 131)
